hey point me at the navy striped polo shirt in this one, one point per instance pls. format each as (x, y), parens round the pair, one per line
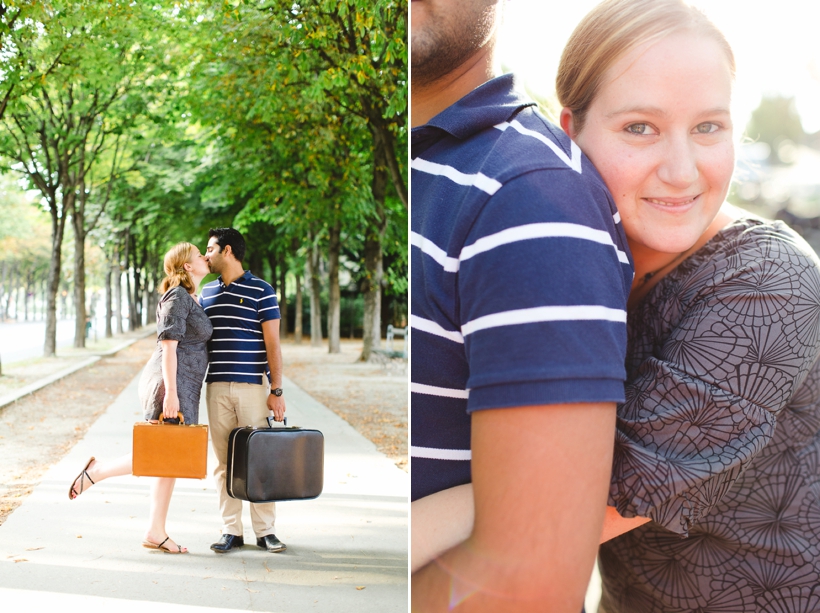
(520, 275)
(236, 351)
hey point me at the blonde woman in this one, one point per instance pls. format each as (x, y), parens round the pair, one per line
(170, 382)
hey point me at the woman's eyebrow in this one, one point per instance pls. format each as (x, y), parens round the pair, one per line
(656, 111)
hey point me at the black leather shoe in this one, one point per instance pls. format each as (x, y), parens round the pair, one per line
(227, 542)
(271, 543)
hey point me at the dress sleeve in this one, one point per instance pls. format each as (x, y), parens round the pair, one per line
(172, 313)
(706, 401)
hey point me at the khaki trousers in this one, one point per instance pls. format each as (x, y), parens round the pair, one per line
(236, 405)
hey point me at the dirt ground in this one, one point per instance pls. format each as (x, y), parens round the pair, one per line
(39, 429)
(371, 397)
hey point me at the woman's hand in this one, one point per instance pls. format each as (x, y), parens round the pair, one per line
(170, 404)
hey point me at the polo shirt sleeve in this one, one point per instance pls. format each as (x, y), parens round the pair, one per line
(172, 314)
(267, 307)
(542, 296)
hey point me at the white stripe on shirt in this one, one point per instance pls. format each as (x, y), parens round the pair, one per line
(232, 306)
(431, 327)
(573, 162)
(440, 454)
(258, 289)
(434, 251)
(227, 293)
(544, 313)
(445, 392)
(229, 328)
(224, 362)
(213, 317)
(540, 230)
(479, 180)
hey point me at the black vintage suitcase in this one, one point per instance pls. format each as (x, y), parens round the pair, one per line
(275, 463)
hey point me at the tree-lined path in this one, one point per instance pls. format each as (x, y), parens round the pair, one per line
(128, 126)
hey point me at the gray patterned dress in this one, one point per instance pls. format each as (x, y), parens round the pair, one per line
(719, 438)
(179, 318)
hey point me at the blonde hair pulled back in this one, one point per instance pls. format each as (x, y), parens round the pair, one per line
(175, 273)
(610, 31)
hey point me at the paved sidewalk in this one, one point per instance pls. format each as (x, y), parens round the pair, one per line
(347, 550)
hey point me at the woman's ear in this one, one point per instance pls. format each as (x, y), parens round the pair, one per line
(567, 123)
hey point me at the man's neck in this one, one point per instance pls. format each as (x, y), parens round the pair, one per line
(429, 99)
(232, 273)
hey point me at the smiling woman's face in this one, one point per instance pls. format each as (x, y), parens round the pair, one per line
(660, 133)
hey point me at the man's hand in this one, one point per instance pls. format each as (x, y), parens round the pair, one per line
(276, 404)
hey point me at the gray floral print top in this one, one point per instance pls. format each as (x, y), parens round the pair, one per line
(718, 441)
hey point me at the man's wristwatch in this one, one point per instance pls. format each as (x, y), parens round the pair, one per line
(277, 391)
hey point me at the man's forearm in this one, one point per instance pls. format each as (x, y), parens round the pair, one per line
(274, 356)
(540, 481)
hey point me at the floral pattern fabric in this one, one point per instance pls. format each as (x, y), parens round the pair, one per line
(718, 441)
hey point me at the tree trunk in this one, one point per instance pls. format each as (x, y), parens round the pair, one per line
(118, 289)
(29, 293)
(78, 224)
(283, 301)
(108, 302)
(315, 298)
(53, 282)
(11, 292)
(297, 327)
(373, 260)
(334, 304)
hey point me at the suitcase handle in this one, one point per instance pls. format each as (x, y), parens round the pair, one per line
(179, 417)
(271, 421)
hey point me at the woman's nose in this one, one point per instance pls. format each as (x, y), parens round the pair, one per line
(679, 167)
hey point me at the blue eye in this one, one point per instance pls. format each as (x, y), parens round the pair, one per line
(638, 128)
(706, 127)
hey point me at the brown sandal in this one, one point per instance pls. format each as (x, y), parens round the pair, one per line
(149, 545)
(83, 473)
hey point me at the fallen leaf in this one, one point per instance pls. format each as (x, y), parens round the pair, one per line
(266, 567)
(252, 591)
(359, 587)
(79, 536)
(35, 548)
(20, 560)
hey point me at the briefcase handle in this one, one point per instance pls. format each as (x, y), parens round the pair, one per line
(179, 417)
(271, 421)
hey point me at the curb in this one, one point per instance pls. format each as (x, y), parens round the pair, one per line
(38, 385)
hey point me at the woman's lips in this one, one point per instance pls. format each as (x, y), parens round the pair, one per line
(672, 202)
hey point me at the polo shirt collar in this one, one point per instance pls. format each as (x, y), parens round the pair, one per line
(246, 276)
(494, 102)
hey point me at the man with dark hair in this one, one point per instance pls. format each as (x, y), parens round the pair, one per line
(520, 276)
(244, 379)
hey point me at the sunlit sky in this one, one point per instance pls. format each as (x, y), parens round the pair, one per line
(776, 45)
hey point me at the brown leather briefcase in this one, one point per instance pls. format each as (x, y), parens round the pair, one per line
(170, 450)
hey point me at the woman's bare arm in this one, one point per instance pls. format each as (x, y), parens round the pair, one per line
(439, 522)
(445, 519)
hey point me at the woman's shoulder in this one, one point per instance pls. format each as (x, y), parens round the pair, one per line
(756, 236)
(177, 296)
